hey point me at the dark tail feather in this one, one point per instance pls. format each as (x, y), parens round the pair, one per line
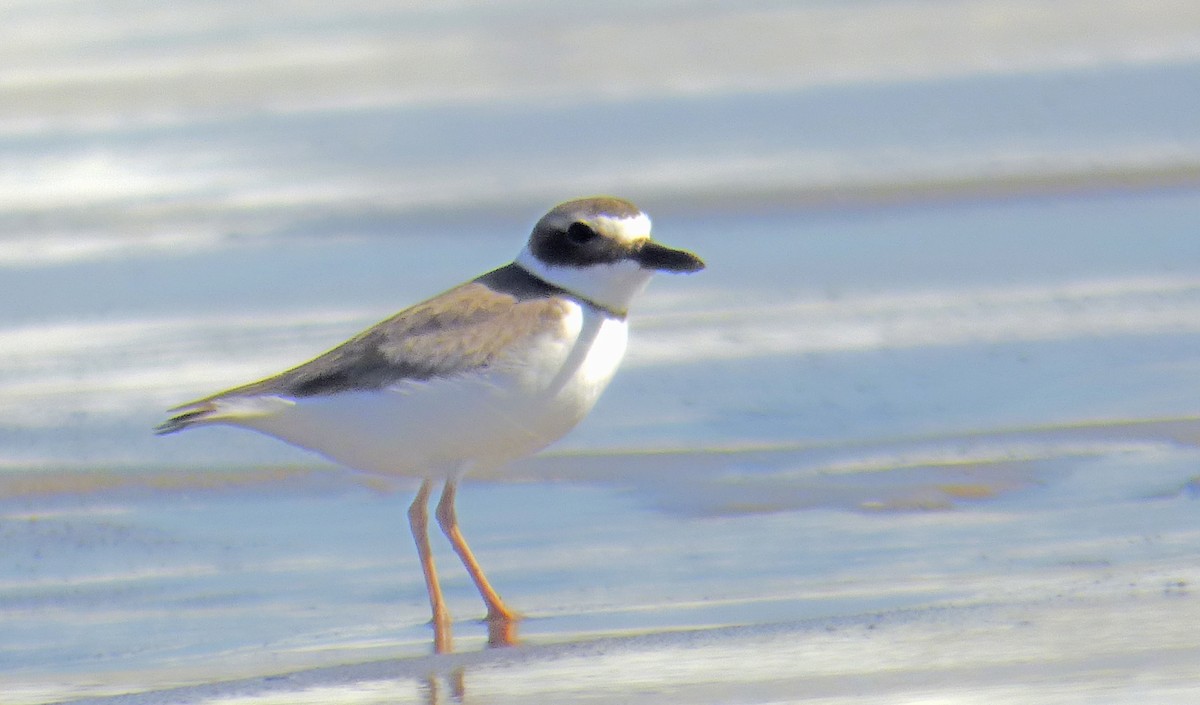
(182, 421)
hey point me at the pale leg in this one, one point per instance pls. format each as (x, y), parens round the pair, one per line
(418, 520)
(500, 617)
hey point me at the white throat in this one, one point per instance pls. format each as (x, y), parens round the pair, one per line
(612, 286)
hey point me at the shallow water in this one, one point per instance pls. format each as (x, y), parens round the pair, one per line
(924, 431)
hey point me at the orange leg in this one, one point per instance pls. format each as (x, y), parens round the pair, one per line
(502, 620)
(418, 520)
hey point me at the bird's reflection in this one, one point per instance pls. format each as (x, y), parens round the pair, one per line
(455, 690)
(441, 687)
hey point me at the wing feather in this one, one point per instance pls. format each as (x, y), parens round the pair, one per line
(464, 329)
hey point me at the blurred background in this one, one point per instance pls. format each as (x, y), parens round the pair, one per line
(195, 195)
(952, 308)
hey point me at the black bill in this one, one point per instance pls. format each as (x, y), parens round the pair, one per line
(664, 259)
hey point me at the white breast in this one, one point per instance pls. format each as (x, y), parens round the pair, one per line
(597, 346)
(446, 426)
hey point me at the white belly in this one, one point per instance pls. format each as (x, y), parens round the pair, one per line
(448, 425)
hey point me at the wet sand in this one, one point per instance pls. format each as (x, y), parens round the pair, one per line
(925, 431)
(974, 574)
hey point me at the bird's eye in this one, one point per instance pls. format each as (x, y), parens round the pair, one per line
(580, 233)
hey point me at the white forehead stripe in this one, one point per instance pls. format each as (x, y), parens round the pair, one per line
(626, 230)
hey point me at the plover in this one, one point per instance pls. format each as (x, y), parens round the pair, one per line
(490, 371)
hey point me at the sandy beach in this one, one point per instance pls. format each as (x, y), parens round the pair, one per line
(925, 431)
